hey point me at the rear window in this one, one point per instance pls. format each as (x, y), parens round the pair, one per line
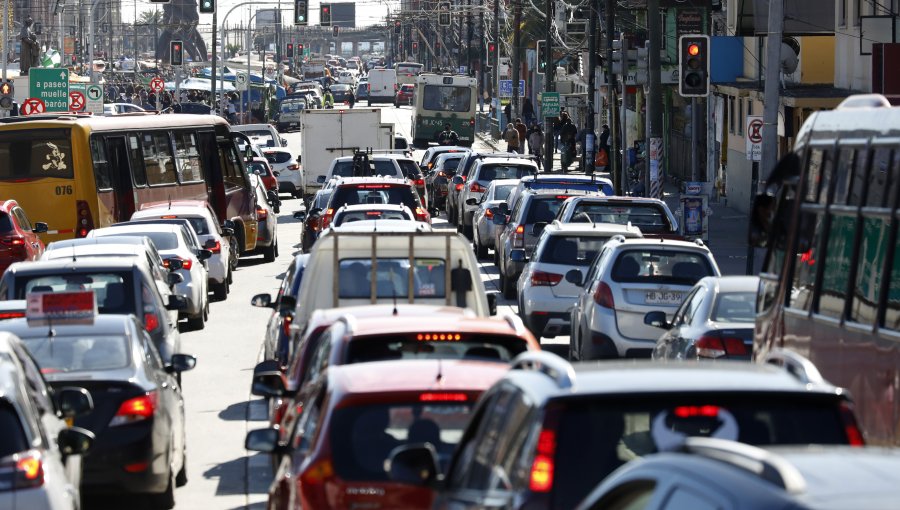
(278, 157)
(408, 167)
(735, 307)
(661, 267)
(543, 210)
(362, 437)
(114, 291)
(35, 154)
(494, 172)
(13, 439)
(201, 227)
(450, 164)
(596, 436)
(571, 251)
(162, 240)
(86, 353)
(392, 278)
(651, 219)
(373, 194)
(351, 216)
(502, 192)
(436, 345)
(6, 224)
(256, 167)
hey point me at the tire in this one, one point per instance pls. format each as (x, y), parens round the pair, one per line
(166, 499)
(480, 251)
(235, 256)
(181, 479)
(507, 286)
(196, 323)
(468, 231)
(220, 291)
(276, 247)
(230, 278)
(269, 252)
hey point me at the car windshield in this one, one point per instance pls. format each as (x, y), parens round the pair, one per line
(571, 250)
(36, 154)
(544, 209)
(597, 435)
(442, 345)
(83, 353)
(502, 192)
(13, 439)
(376, 214)
(114, 291)
(650, 218)
(292, 105)
(735, 307)
(491, 172)
(408, 167)
(340, 88)
(278, 156)
(661, 267)
(373, 194)
(391, 278)
(363, 437)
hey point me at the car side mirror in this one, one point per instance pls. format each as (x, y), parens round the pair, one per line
(518, 256)
(74, 440)
(300, 215)
(73, 401)
(227, 232)
(320, 179)
(181, 363)
(262, 440)
(284, 142)
(414, 464)
(176, 302)
(574, 277)
(471, 201)
(228, 224)
(492, 302)
(272, 197)
(174, 265)
(299, 158)
(657, 319)
(504, 208)
(538, 227)
(174, 279)
(39, 227)
(268, 381)
(262, 301)
(204, 254)
(276, 173)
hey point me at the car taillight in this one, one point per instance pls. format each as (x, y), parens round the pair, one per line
(135, 409)
(261, 213)
(84, 222)
(543, 279)
(489, 214)
(420, 182)
(22, 471)
(217, 248)
(541, 479)
(13, 241)
(603, 296)
(854, 434)
(518, 237)
(443, 397)
(317, 473)
(151, 322)
(422, 215)
(459, 186)
(715, 347)
(286, 322)
(476, 188)
(326, 218)
(293, 166)
(185, 263)
(472, 121)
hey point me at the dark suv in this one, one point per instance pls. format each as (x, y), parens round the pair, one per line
(373, 190)
(548, 432)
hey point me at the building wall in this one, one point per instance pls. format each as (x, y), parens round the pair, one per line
(851, 70)
(817, 60)
(738, 170)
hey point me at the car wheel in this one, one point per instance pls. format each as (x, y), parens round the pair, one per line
(166, 499)
(230, 277)
(480, 251)
(269, 253)
(468, 231)
(508, 286)
(181, 478)
(220, 291)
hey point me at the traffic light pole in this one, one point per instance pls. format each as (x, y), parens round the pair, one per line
(516, 65)
(653, 175)
(549, 86)
(610, 20)
(590, 126)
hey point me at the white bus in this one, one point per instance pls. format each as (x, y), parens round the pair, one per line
(443, 99)
(407, 72)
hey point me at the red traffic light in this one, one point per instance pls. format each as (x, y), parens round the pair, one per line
(325, 9)
(492, 47)
(693, 49)
(176, 47)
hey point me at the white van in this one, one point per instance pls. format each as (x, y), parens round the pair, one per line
(382, 86)
(385, 266)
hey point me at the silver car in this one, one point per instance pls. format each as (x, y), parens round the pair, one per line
(484, 227)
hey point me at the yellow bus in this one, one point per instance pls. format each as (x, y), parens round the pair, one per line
(78, 172)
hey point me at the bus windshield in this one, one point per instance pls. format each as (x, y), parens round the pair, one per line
(36, 154)
(447, 98)
(408, 68)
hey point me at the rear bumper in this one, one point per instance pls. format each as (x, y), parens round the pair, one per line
(548, 324)
(604, 333)
(104, 468)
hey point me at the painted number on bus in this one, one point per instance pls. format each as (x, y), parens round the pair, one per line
(64, 190)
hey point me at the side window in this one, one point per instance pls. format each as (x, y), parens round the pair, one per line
(892, 314)
(287, 283)
(151, 355)
(815, 163)
(189, 169)
(231, 166)
(136, 158)
(308, 425)
(807, 259)
(684, 310)
(870, 269)
(102, 177)
(22, 220)
(847, 161)
(323, 351)
(838, 259)
(485, 445)
(158, 160)
(632, 495)
(684, 497)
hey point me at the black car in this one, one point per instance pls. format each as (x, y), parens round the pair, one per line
(341, 92)
(313, 219)
(552, 431)
(277, 343)
(138, 415)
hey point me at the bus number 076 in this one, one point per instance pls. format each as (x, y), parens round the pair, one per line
(64, 190)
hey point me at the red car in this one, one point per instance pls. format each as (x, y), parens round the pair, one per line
(356, 415)
(260, 167)
(405, 95)
(19, 239)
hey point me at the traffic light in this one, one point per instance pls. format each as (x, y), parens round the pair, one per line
(398, 26)
(78, 47)
(290, 50)
(301, 12)
(176, 53)
(207, 6)
(541, 57)
(74, 60)
(444, 14)
(693, 65)
(325, 15)
(415, 46)
(617, 66)
(335, 30)
(6, 94)
(492, 48)
(300, 49)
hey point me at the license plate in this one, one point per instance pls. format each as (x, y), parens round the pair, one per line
(656, 297)
(293, 124)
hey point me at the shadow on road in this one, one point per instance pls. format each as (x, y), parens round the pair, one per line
(251, 410)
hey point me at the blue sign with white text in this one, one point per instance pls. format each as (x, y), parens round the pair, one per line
(506, 88)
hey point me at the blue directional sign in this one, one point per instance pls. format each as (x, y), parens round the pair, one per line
(506, 88)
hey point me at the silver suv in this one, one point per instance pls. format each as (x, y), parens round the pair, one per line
(487, 170)
(629, 278)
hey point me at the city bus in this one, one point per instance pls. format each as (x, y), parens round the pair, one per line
(79, 172)
(407, 72)
(442, 99)
(830, 283)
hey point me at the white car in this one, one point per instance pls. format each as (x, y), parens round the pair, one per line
(263, 135)
(392, 226)
(174, 241)
(121, 108)
(372, 212)
(290, 174)
(545, 294)
(267, 231)
(211, 235)
(629, 278)
(347, 77)
(485, 229)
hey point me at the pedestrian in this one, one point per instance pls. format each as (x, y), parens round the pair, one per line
(523, 134)
(351, 99)
(604, 138)
(536, 143)
(511, 136)
(232, 111)
(567, 138)
(528, 112)
(507, 113)
(448, 136)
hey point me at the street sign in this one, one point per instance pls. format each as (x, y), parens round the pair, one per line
(32, 106)
(157, 84)
(550, 104)
(76, 101)
(506, 88)
(93, 97)
(240, 81)
(51, 86)
(753, 132)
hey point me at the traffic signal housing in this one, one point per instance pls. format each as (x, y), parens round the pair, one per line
(290, 50)
(693, 65)
(300, 49)
(415, 46)
(176, 53)
(325, 15)
(301, 12)
(335, 30)
(398, 26)
(207, 6)
(541, 48)
(444, 14)
(6, 95)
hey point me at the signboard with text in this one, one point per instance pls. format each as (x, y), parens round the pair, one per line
(506, 89)
(550, 104)
(50, 85)
(753, 131)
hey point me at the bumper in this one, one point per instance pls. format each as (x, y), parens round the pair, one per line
(514, 263)
(548, 324)
(131, 446)
(605, 336)
(487, 231)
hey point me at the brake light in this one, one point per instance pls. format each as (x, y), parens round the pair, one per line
(422, 215)
(84, 221)
(217, 248)
(420, 182)
(169, 217)
(14, 241)
(11, 315)
(715, 347)
(326, 219)
(562, 197)
(22, 471)
(439, 337)
(317, 473)
(476, 188)
(261, 213)
(151, 322)
(293, 166)
(472, 121)
(541, 479)
(185, 263)
(543, 279)
(443, 397)
(135, 409)
(603, 296)
(854, 435)
(286, 322)
(459, 187)
(695, 411)
(518, 237)
(489, 214)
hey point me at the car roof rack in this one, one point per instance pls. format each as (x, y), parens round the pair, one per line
(551, 365)
(764, 464)
(796, 365)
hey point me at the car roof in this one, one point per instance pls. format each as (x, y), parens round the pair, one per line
(420, 375)
(67, 265)
(103, 324)
(93, 241)
(381, 226)
(145, 226)
(731, 283)
(568, 193)
(331, 315)
(103, 250)
(10, 378)
(373, 207)
(275, 149)
(251, 127)
(177, 203)
(664, 244)
(588, 229)
(503, 182)
(376, 179)
(519, 160)
(620, 199)
(446, 323)
(7, 205)
(178, 210)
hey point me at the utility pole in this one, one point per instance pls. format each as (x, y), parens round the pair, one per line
(610, 20)
(469, 29)
(212, 86)
(459, 47)
(495, 82)
(482, 62)
(588, 152)
(516, 64)
(549, 86)
(654, 103)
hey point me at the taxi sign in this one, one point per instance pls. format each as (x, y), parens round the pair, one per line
(73, 307)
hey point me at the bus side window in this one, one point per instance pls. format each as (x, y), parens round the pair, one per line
(136, 157)
(841, 236)
(892, 314)
(884, 177)
(158, 158)
(188, 157)
(101, 165)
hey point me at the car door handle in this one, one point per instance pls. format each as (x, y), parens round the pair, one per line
(165, 384)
